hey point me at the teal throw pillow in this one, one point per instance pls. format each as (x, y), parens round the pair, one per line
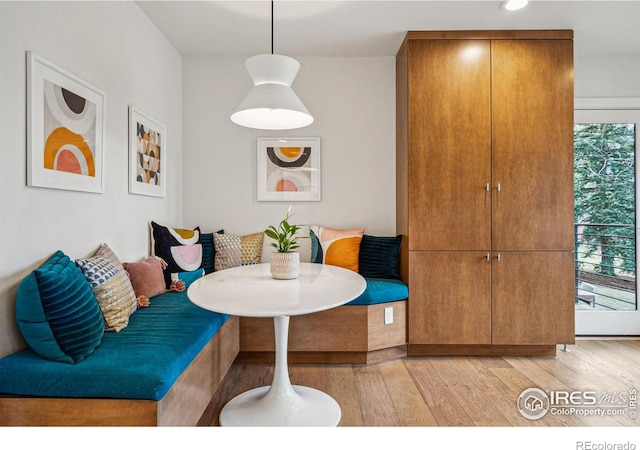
(57, 311)
(188, 277)
(316, 249)
(208, 251)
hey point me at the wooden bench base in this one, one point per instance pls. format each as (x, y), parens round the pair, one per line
(181, 406)
(343, 335)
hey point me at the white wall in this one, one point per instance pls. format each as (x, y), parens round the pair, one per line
(607, 76)
(113, 46)
(353, 103)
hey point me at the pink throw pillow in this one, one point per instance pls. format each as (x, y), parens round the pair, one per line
(147, 277)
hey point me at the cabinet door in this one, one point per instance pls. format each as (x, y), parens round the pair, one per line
(533, 298)
(450, 299)
(449, 145)
(532, 104)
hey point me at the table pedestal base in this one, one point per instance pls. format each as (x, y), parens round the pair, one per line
(281, 404)
(302, 406)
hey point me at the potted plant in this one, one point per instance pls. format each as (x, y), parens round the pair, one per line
(285, 261)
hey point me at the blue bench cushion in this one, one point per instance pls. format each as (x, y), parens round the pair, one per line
(140, 362)
(381, 291)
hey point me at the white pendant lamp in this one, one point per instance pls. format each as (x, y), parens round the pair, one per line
(272, 104)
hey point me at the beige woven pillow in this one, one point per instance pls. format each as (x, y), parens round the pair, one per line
(112, 287)
(234, 251)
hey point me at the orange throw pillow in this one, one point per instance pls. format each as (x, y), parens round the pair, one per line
(340, 247)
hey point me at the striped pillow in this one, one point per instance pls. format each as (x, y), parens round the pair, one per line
(379, 257)
(57, 312)
(112, 290)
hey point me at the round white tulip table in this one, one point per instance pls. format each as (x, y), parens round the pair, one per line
(250, 291)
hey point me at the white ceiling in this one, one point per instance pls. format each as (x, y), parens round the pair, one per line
(376, 28)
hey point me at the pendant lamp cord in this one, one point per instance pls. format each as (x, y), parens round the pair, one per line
(272, 27)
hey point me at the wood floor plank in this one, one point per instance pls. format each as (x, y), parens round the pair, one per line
(444, 407)
(614, 367)
(477, 406)
(494, 389)
(577, 370)
(454, 391)
(547, 380)
(240, 378)
(543, 380)
(633, 347)
(314, 376)
(407, 401)
(576, 383)
(517, 382)
(622, 357)
(375, 401)
(342, 387)
(536, 373)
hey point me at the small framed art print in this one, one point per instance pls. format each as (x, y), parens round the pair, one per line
(288, 169)
(147, 154)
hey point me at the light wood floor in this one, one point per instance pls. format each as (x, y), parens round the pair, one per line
(458, 391)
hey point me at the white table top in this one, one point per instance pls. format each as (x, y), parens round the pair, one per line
(250, 291)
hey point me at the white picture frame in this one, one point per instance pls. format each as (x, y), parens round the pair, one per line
(65, 123)
(147, 154)
(288, 169)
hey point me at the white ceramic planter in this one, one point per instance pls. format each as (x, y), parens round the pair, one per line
(285, 266)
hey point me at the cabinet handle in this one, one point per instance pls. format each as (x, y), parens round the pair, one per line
(498, 187)
(498, 257)
(488, 187)
(488, 256)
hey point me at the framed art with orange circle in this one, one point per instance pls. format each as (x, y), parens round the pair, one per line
(288, 169)
(64, 129)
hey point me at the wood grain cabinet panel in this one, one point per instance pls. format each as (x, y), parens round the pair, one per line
(454, 292)
(449, 145)
(485, 169)
(532, 145)
(529, 298)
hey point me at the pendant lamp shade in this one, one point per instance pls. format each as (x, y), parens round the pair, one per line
(272, 104)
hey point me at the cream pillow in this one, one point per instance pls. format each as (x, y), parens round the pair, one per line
(234, 251)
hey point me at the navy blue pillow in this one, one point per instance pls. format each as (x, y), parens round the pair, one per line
(208, 251)
(380, 256)
(58, 313)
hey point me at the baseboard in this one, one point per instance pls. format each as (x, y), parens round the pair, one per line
(481, 350)
(326, 357)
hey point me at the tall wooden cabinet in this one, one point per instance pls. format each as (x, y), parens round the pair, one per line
(485, 190)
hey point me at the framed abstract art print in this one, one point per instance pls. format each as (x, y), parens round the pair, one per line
(288, 169)
(147, 158)
(64, 129)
